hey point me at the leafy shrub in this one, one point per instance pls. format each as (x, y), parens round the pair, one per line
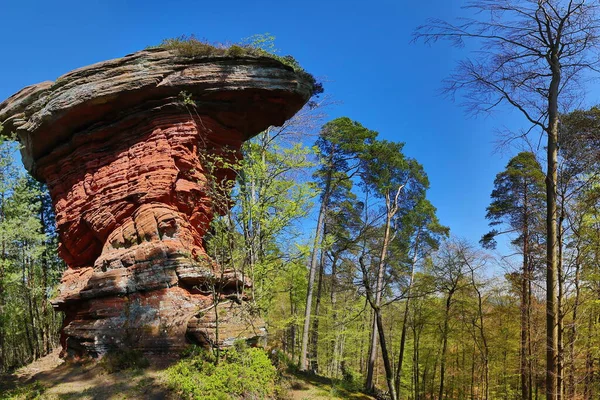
(236, 51)
(241, 373)
(351, 379)
(115, 361)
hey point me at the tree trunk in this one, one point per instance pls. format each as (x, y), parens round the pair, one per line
(571, 392)
(335, 338)
(560, 361)
(551, 232)
(389, 375)
(472, 383)
(391, 210)
(589, 360)
(432, 391)
(415, 363)
(405, 317)
(444, 344)
(525, 378)
(314, 362)
(530, 368)
(312, 273)
(293, 326)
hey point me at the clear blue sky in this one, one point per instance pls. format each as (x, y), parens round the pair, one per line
(361, 48)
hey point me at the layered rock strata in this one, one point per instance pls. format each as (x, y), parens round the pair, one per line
(136, 154)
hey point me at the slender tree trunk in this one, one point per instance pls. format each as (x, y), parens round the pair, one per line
(444, 344)
(525, 378)
(314, 362)
(32, 308)
(481, 327)
(560, 385)
(402, 344)
(463, 382)
(369, 383)
(312, 273)
(28, 323)
(571, 392)
(486, 351)
(435, 365)
(530, 369)
(551, 231)
(389, 374)
(589, 360)
(505, 373)
(472, 383)
(334, 317)
(293, 326)
(415, 362)
(405, 317)
(391, 211)
(44, 305)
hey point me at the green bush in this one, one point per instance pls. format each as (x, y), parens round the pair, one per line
(236, 51)
(241, 373)
(115, 361)
(351, 379)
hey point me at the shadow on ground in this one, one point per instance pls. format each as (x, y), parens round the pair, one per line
(61, 380)
(305, 386)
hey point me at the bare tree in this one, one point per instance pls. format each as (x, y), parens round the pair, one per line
(534, 56)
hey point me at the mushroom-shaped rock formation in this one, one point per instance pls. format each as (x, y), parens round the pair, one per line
(122, 146)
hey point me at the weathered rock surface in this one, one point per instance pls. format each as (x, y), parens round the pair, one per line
(124, 156)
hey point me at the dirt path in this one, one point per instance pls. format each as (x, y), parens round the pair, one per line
(88, 381)
(57, 379)
(312, 387)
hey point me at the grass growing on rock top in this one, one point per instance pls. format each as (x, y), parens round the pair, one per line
(255, 46)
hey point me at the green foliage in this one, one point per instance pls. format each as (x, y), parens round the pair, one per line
(31, 391)
(240, 373)
(518, 199)
(263, 41)
(351, 379)
(271, 199)
(186, 98)
(236, 51)
(420, 230)
(386, 169)
(29, 265)
(579, 145)
(119, 360)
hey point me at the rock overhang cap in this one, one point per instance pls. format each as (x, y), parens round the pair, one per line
(248, 93)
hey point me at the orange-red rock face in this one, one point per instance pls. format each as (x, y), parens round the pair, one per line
(133, 203)
(136, 176)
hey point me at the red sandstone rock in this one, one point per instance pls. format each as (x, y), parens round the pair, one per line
(126, 165)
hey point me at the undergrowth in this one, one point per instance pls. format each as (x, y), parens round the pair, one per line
(29, 391)
(240, 373)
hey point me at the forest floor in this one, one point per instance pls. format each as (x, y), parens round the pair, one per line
(314, 387)
(51, 378)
